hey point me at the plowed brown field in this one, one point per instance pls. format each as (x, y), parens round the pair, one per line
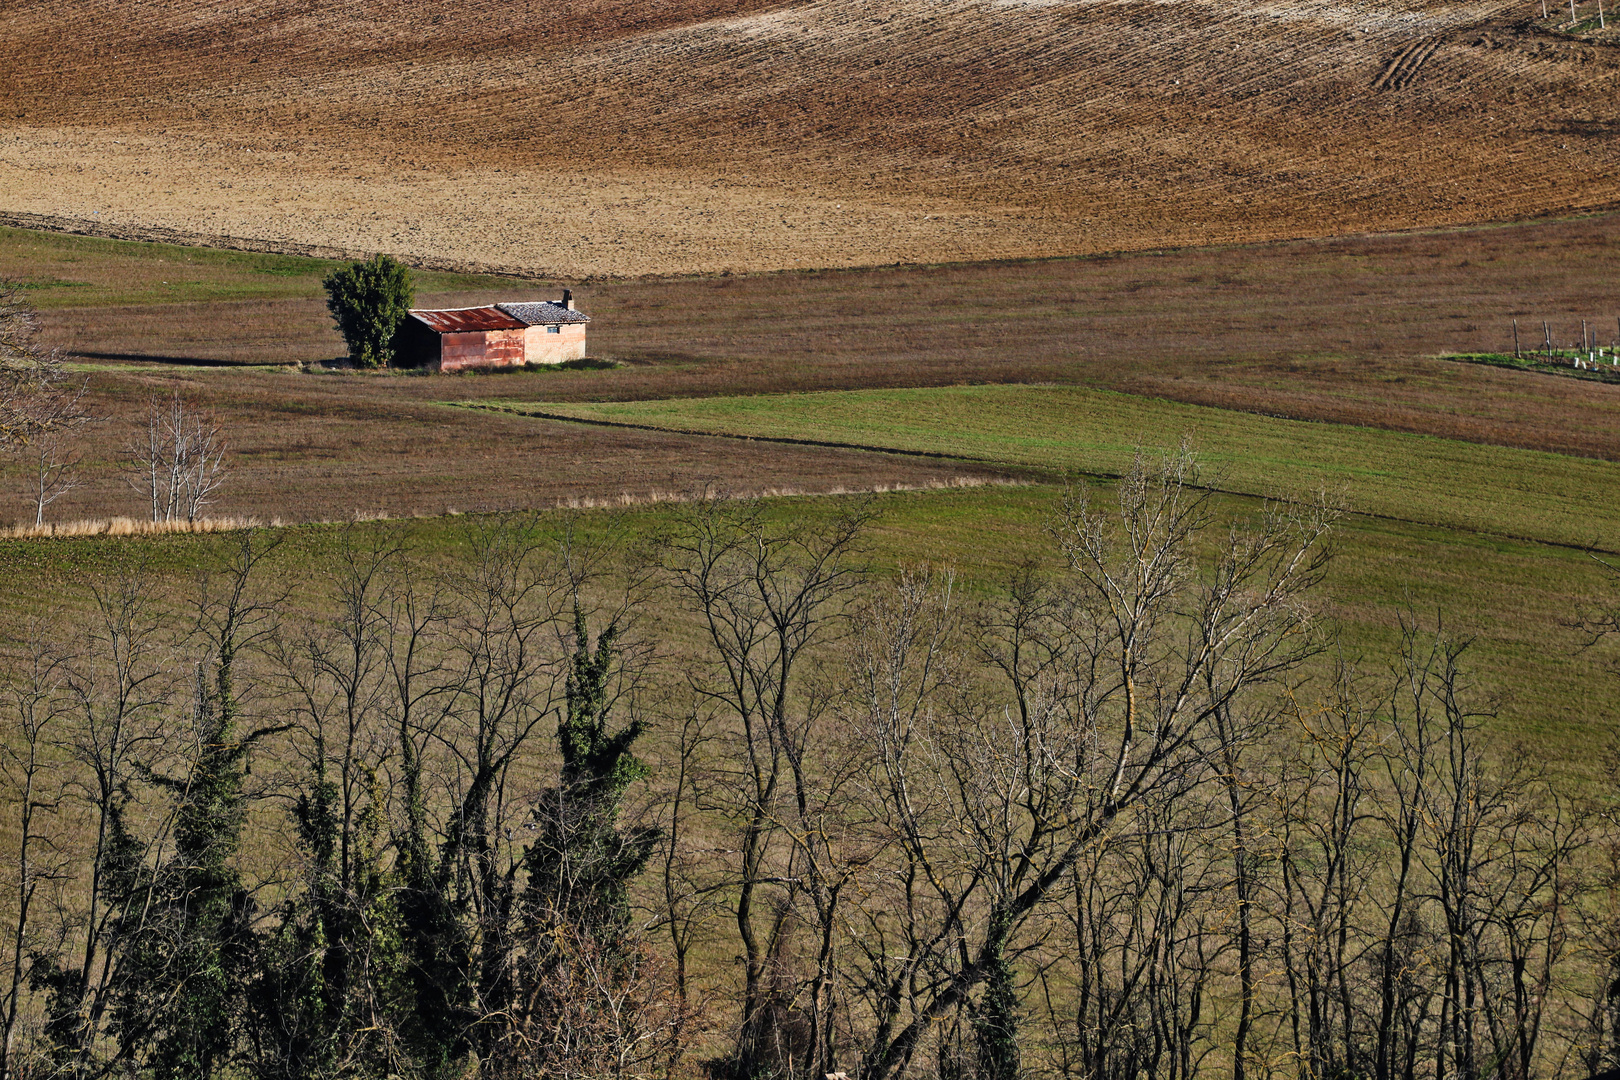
(620, 137)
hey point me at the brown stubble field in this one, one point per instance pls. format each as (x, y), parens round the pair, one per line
(611, 137)
(1340, 331)
(336, 447)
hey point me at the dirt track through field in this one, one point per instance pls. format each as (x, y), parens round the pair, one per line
(605, 137)
(1400, 71)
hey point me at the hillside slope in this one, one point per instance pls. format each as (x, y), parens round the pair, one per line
(614, 136)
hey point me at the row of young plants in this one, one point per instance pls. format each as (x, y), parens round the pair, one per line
(725, 801)
(1567, 363)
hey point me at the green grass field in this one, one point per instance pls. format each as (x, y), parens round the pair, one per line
(1056, 429)
(65, 271)
(1489, 538)
(1513, 598)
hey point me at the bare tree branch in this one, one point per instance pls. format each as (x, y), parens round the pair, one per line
(176, 459)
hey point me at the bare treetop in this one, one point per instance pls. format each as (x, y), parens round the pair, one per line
(176, 459)
(35, 396)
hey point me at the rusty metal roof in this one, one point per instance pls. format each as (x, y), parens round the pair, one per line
(465, 320)
(543, 312)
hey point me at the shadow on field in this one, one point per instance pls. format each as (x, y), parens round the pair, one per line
(149, 358)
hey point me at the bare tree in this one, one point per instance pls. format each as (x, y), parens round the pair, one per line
(765, 594)
(33, 788)
(507, 679)
(902, 658)
(122, 690)
(1113, 674)
(176, 459)
(691, 867)
(55, 473)
(1322, 822)
(1499, 847)
(1145, 925)
(1427, 891)
(39, 404)
(325, 999)
(615, 1014)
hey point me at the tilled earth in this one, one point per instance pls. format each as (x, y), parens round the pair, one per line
(612, 137)
(333, 447)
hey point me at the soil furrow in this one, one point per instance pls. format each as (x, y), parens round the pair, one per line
(577, 137)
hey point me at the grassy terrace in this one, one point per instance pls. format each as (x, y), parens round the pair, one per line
(1492, 537)
(1512, 597)
(67, 271)
(1488, 539)
(1457, 485)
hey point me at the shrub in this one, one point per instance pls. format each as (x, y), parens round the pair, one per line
(368, 301)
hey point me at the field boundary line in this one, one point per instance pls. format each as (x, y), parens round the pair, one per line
(1015, 470)
(788, 440)
(163, 234)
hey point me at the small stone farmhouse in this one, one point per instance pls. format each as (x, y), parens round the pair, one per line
(504, 335)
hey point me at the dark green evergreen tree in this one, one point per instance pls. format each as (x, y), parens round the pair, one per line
(333, 999)
(195, 949)
(574, 910)
(299, 1000)
(434, 940)
(581, 864)
(368, 301)
(190, 952)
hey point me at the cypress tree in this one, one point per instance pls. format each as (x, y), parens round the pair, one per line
(436, 953)
(195, 950)
(190, 952)
(333, 995)
(368, 301)
(575, 908)
(581, 864)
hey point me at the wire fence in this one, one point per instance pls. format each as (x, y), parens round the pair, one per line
(1586, 17)
(1591, 351)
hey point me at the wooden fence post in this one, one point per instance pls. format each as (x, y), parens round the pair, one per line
(1515, 339)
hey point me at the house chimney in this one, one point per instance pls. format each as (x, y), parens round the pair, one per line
(568, 299)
